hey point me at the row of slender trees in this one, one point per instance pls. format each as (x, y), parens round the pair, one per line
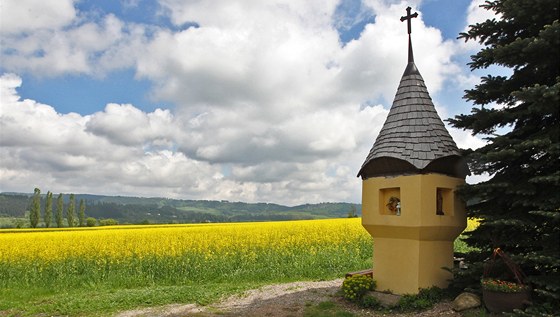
(35, 212)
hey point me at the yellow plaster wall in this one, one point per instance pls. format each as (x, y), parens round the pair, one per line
(395, 265)
(411, 249)
(434, 255)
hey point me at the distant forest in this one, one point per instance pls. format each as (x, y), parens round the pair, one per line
(138, 210)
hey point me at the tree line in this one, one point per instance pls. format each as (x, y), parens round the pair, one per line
(72, 217)
(111, 210)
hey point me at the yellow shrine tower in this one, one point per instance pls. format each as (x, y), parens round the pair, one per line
(409, 200)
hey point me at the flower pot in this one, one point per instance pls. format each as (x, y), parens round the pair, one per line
(498, 302)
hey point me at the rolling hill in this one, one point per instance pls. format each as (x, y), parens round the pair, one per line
(165, 210)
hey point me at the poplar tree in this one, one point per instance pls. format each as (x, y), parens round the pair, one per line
(518, 114)
(35, 212)
(82, 213)
(48, 210)
(71, 210)
(59, 211)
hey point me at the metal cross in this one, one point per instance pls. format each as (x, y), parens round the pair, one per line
(409, 17)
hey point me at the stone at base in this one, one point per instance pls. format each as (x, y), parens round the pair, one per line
(386, 299)
(465, 301)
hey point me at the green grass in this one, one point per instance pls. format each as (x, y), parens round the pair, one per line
(100, 301)
(10, 222)
(85, 289)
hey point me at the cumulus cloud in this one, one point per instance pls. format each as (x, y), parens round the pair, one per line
(123, 150)
(269, 105)
(71, 152)
(31, 15)
(272, 64)
(274, 81)
(128, 125)
(477, 14)
(50, 38)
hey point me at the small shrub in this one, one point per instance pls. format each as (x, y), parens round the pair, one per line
(91, 222)
(413, 303)
(326, 305)
(19, 223)
(369, 301)
(426, 298)
(355, 287)
(108, 222)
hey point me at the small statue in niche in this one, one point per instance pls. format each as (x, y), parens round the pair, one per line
(394, 205)
(439, 203)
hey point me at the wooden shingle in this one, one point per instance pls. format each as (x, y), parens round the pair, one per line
(413, 133)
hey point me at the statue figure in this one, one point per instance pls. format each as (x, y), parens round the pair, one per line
(394, 205)
(439, 203)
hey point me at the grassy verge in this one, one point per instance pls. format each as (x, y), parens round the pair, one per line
(78, 297)
(101, 301)
(100, 272)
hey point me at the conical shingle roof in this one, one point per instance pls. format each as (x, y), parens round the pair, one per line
(413, 139)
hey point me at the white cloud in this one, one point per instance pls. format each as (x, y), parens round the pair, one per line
(274, 65)
(269, 105)
(477, 14)
(18, 16)
(123, 150)
(40, 147)
(250, 14)
(373, 64)
(67, 44)
(127, 125)
(466, 140)
(273, 87)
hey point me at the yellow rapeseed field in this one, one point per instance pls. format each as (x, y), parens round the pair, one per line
(140, 255)
(185, 252)
(210, 240)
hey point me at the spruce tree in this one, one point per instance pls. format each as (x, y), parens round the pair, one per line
(48, 210)
(71, 211)
(82, 213)
(59, 211)
(519, 206)
(35, 212)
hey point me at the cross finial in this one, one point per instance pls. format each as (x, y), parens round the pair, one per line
(409, 17)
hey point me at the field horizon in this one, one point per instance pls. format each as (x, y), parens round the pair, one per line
(101, 270)
(145, 210)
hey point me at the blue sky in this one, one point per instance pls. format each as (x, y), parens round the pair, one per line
(277, 101)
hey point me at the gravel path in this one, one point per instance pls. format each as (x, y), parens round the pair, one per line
(281, 300)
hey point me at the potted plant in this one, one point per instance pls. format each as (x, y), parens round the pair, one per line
(501, 295)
